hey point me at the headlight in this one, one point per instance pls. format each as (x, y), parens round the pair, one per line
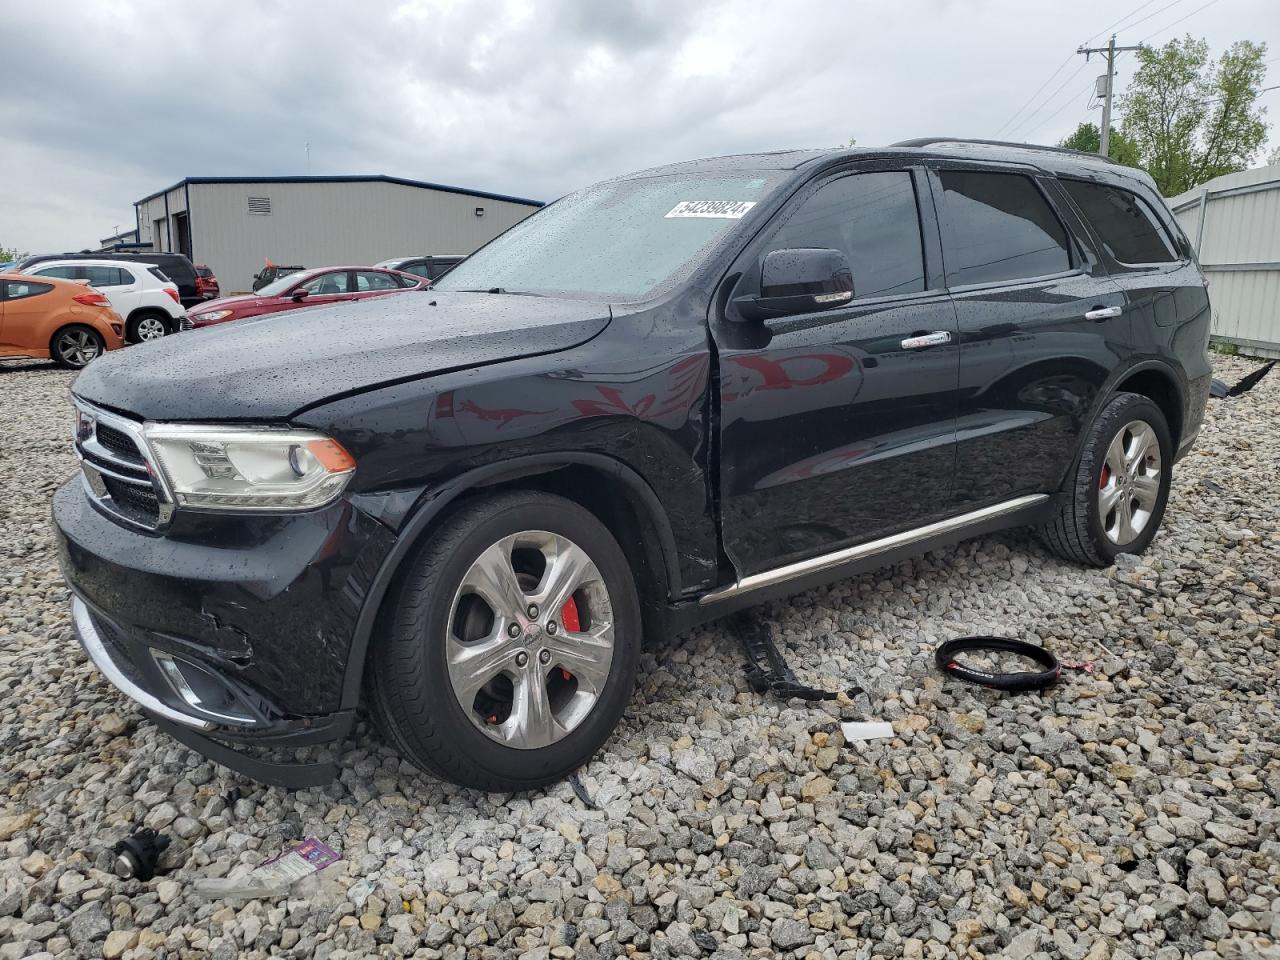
(210, 317)
(249, 468)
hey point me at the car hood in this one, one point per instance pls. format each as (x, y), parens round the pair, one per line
(271, 367)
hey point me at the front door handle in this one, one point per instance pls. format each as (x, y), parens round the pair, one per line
(1102, 313)
(935, 339)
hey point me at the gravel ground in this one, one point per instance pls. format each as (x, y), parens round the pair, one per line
(1131, 812)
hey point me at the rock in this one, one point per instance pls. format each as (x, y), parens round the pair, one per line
(113, 725)
(789, 934)
(13, 824)
(118, 941)
(1228, 834)
(89, 923)
(817, 788)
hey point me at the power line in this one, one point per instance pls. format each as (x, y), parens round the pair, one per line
(1153, 13)
(1178, 21)
(1034, 95)
(1049, 99)
(1106, 30)
(1009, 123)
(1053, 116)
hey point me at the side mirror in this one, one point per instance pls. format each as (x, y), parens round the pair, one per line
(799, 280)
(300, 294)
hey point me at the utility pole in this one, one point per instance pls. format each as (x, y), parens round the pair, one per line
(1109, 51)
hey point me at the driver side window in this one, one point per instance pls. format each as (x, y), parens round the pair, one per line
(872, 219)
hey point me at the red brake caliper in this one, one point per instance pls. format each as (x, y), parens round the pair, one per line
(1106, 475)
(569, 619)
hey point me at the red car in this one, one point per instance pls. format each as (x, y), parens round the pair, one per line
(308, 288)
(206, 283)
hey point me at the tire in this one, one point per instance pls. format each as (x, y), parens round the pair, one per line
(1130, 437)
(147, 326)
(425, 689)
(75, 346)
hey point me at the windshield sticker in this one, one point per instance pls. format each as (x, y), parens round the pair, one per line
(716, 209)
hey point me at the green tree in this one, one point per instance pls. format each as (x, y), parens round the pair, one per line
(1192, 119)
(1088, 138)
(10, 253)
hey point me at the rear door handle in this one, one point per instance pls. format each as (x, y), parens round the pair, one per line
(1102, 313)
(935, 339)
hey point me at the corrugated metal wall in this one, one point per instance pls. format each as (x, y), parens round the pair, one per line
(319, 224)
(1235, 222)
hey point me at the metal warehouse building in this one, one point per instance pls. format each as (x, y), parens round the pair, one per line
(1234, 222)
(235, 224)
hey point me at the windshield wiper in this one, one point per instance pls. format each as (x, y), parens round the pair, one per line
(503, 290)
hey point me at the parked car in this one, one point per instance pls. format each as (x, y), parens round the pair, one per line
(59, 319)
(206, 283)
(175, 266)
(655, 401)
(271, 273)
(309, 288)
(139, 292)
(433, 266)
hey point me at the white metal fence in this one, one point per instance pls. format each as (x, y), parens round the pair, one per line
(1234, 222)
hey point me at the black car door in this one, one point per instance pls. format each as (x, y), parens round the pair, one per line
(838, 427)
(1041, 327)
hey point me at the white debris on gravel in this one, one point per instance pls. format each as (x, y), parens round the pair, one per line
(1131, 812)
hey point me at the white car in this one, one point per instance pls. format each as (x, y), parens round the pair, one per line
(144, 297)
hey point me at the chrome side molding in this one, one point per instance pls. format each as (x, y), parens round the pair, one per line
(863, 551)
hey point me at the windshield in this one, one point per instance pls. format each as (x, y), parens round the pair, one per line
(617, 240)
(280, 284)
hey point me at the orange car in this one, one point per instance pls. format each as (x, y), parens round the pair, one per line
(64, 320)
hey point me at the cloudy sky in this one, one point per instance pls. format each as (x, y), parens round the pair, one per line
(105, 103)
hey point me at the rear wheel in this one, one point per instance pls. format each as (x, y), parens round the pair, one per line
(147, 326)
(512, 645)
(1117, 496)
(74, 347)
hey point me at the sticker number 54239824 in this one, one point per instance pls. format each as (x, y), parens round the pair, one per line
(719, 209)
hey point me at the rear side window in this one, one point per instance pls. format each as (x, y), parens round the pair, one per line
(62, 273)
(21, 289)
(872, 219)
(366, 281)
(438, 268)
(108, 276)
(1126, 225)
(998, 226)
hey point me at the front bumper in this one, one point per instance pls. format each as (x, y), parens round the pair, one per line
(226, 628)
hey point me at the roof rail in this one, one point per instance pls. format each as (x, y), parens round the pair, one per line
(930, 141)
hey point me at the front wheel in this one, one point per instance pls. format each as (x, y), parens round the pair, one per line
(149, 326)
(74, 347)
(512, 645)
(1116, 498)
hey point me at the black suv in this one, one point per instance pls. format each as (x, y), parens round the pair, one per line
(656, 400)
(175, 266)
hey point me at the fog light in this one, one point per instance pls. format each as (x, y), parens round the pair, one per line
(136, 854)
(200, 690)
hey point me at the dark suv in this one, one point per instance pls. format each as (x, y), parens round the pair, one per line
(656, 400)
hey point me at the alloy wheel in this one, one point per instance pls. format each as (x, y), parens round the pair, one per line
(77, 347)
(530, 640)
(1129, 483)
(150, 328)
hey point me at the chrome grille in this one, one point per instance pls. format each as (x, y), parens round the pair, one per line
(184, 323)
(118, 474)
